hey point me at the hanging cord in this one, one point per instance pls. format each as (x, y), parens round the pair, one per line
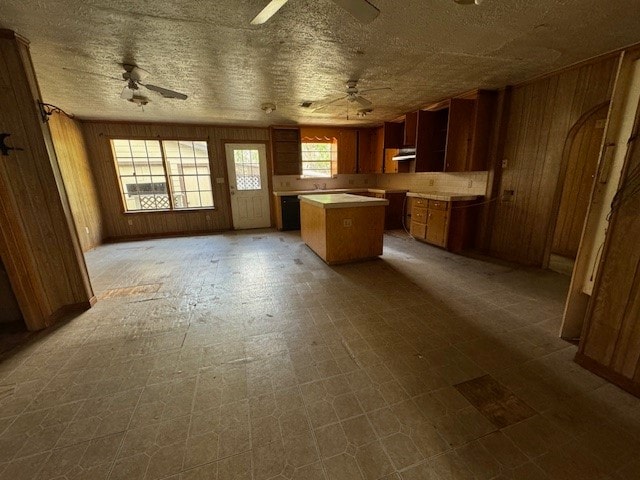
(629, 189)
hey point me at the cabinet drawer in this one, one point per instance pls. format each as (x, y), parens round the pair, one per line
(418, 214)
(418, 230)
(420, 202)
(438, 205)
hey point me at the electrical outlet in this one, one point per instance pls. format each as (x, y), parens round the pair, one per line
(507, 196)
(431, 182)
(130, 222)
(347, 222)
(470, 184)
(504, 163)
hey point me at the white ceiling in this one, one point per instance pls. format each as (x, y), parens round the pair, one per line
(425, 50)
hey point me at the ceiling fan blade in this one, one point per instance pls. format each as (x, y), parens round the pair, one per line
(325, 105)
(165, 92)
(363, 101)
(269, 11)
(85, 72)
(375, 89)
(362, 10)
(127, 93)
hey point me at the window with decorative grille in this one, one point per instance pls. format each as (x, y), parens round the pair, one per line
(163, 174)
(319, 157)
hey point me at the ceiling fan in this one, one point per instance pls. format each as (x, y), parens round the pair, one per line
(362, 10)
(354, 95)
(135, 76)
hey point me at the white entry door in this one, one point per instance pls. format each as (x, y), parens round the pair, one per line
(248, 185)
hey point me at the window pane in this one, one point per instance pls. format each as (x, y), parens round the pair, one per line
(247, 167)
(318, 158)
(189, 173)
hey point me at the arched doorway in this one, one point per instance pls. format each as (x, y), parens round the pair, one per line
(581, 155)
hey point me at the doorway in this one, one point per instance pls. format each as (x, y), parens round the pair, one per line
(248, 185)
(581, 155)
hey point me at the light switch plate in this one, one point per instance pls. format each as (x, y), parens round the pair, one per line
(219, 179)
(347, 222)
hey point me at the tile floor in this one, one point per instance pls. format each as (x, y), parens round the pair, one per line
(243, 356)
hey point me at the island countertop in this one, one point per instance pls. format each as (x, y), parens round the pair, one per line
(287, 193)
(445, 196)
(342, 200)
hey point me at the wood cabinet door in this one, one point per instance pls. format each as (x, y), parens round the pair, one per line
(378, 151)
(347, 151)
(393, 134)
(482, 127)
(410, 129)
(418, 230)
(431, 140)
(437, 227)
(459, 135)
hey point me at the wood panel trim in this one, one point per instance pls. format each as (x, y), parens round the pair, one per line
(608, 374)
(496, 154)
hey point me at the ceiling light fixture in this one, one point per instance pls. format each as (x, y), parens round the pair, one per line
(268, 108)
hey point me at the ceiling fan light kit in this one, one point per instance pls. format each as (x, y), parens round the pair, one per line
(135, 76)
(268, 108)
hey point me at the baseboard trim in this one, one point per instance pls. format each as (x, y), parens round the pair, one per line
(608, 374)
(151, 236)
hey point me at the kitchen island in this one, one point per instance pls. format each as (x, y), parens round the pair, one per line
(342, 228)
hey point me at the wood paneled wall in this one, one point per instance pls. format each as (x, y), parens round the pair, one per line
(38, 243)
(78, 179)
(610, 343)
(540, 117)
(120, 225)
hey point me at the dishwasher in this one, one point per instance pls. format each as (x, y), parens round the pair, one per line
(290, 205)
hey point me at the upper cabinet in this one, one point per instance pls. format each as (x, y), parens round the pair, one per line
(410, 129)
(347, 151)
(453, 136)
(393, 134)
(370, 150)
(286, 150)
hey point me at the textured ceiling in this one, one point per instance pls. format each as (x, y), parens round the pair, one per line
(424, 50)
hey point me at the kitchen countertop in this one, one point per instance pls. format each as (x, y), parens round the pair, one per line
(335, 190)
(444, 196)
(342, 200)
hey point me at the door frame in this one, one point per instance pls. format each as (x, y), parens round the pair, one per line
(267, 149)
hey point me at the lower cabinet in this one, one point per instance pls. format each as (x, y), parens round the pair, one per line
(394, 211)
(450, 225)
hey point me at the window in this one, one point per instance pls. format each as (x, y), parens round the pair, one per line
(163, 174)
(247, 166)
(319, 157)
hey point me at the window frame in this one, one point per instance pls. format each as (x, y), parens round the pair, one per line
(160, 139)
(334, 141)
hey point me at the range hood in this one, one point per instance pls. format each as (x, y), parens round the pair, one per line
(405, 154)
